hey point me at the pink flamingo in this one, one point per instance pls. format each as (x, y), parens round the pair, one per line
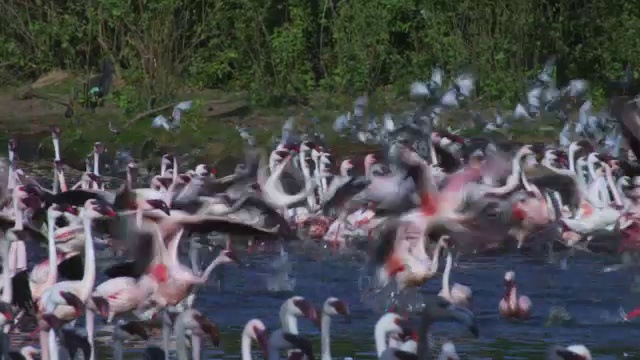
(512, 306)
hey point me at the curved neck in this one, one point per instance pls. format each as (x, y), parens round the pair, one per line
(89, 277)
(288, 321)
(205, 275)
(380, 337)
(325, 336)
(572, 159)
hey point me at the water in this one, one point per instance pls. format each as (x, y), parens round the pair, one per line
(576, 305)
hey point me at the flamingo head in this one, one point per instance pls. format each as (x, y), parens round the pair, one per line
(13, 145)
(55, 132)
(509, 279)
(98, 148)
(229, 256)
(208, 327)
(574, 352)
(159, 205)
(257, 331)
(95, 178)
(306, 146)
(167, 159)
(102, 305)
(346, 165)
(334, 306)
(58, 165)
(185, 178)
(370, 159)
(132, 164)
(160, 273)
(302, 307)
(204, 170)
(134, 327)
(74, 301)
(29, 352)
(29, 196)
(98, 209)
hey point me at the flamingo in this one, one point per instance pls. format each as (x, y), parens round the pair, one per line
(512, 306)
(254, 330)
(331, 307)
(458, 294)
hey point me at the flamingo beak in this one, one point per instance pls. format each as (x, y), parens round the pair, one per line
(342, 309)
(52, 321)
(102, 305)
(136, 328)
(208, 327)
(263, 341)
(74, 301)
(307, 309)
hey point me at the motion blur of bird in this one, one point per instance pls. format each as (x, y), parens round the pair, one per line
(173, 121)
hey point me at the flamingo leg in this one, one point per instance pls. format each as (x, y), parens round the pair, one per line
(166, 333)
(90, 323)
(44, 344)
(195, 347)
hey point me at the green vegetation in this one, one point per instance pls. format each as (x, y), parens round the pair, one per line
(302, 56)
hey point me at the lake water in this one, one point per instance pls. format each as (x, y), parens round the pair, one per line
(578, 304)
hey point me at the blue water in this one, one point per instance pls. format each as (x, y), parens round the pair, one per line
(590, 297)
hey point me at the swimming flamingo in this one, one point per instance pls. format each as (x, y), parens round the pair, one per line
(458, 294)
(512, 306)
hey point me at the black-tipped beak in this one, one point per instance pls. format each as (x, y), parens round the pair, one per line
(160, 205)
(102, 305)
(209, 328)
(301, 343)
(308, 309)
(52, 321)
(136, 328)
(73, 301)
(263, 341)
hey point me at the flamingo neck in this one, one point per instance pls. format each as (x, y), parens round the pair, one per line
(19, 222)
(53, 266)
(447, 274)
(56, 149)
(215, 263)
(288, 321)
(617, 198)
(53, 346)
(96, 163)
(89, 277)
(245, 346)
(380, 337)
(325, 336)
(12, 171)
(7, 291)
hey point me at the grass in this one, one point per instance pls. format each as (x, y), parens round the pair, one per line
(207, 132)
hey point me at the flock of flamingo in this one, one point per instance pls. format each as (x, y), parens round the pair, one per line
(405, 211)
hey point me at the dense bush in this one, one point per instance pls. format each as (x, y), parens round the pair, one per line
(285, 50)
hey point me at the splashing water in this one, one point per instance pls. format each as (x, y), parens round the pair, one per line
(278, 279)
